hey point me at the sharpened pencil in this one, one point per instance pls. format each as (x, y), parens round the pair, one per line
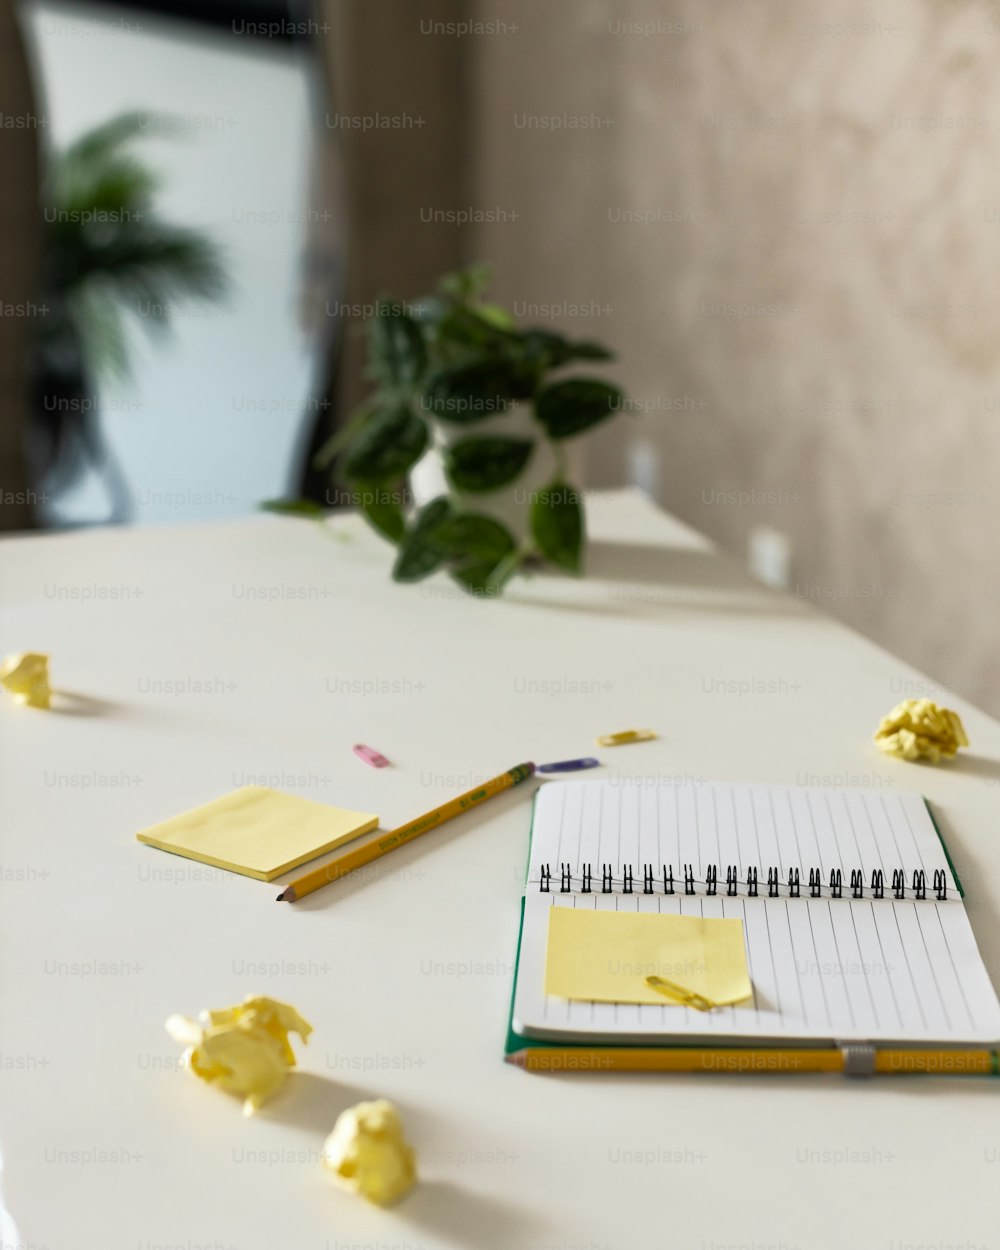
(378, 847)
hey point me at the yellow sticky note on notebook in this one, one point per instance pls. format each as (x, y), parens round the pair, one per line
(258, 832)
(605, 956)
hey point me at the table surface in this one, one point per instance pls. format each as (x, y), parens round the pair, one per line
(196, 659)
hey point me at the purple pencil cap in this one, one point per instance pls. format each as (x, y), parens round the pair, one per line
(569, 766)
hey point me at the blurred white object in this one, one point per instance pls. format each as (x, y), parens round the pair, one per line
(770, 557)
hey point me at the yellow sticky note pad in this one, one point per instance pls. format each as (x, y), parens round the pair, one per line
(605, 956)
(258, 832)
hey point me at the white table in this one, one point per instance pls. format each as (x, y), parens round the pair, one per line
(224, 654)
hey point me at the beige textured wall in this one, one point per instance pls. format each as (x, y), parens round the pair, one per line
(807, 306)
(398, 98)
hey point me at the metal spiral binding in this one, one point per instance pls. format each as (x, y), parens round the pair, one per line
(663, 881)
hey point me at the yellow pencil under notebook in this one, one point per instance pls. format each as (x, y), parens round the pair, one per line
(554, 1059)
(315, 880)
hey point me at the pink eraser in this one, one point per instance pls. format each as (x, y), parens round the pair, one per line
(370, 756)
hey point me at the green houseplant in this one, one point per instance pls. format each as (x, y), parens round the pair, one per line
(451, 376)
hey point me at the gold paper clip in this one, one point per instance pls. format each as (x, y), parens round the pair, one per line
(686, 997)
(626, 736)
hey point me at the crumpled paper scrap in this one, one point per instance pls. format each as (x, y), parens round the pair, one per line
(244, 1049)
(368, 1154)
(917, 729)
(26, 677)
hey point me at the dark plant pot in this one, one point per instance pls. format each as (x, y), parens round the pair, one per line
(64, 437)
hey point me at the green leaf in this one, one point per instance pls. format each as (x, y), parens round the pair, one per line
(339, 439)
(463, 331)
(469, 392)
(554, 350)
(430, 310)
(478, 465)
(397, 354)
(570, 407)
(488, 576)
(476, 577)
(384, 512)
(467, 283)
(497, 316)
(557, 525)
(386, 446)
(475, 537)
(295, 507)
(419, 553)
(505, 570)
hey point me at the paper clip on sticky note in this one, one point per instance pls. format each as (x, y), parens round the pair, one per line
(375, 759)
(679, 994)
(626, 736)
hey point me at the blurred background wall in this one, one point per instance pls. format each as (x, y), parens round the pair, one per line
(786, 218)
(395, 135)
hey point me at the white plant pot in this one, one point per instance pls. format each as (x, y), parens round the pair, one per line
(511, 504)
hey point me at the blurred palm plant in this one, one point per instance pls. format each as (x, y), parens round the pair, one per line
(108, 254)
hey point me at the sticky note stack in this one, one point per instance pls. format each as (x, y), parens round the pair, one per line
(258, 832)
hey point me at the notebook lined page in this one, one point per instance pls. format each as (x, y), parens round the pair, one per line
(822, 969)
(702, 825)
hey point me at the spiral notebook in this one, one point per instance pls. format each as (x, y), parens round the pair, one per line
(856, 934)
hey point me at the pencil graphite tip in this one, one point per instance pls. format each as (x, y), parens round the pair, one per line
(287, 895)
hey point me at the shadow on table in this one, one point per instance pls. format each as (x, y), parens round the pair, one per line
(69, 703)
(958, 846)
(628, 579)
(446, 1211)
(976, 766)
(311, 1102)
(645, 562)
(442, 1209)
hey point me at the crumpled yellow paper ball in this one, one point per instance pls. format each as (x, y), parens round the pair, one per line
(368, 1154)
(244, 1050)
(26, 677)
(917, 729)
